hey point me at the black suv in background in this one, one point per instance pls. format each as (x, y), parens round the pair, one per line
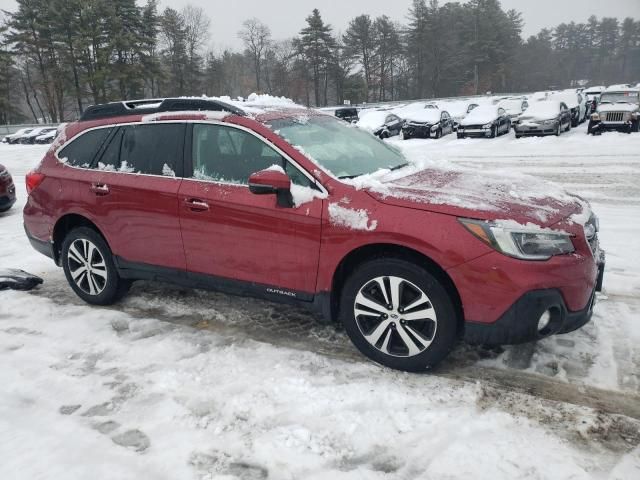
(348, 114)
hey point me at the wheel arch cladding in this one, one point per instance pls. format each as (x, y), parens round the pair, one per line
(384, 250)
(64, 225)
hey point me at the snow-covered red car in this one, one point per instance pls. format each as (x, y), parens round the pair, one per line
(297, 206)
(7, 190)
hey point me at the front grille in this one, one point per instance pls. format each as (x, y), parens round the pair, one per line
(615, 117)
(473, 127)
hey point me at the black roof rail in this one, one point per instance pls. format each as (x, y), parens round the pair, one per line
(149, 106)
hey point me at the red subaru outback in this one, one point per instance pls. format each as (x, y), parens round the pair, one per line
(297, 206)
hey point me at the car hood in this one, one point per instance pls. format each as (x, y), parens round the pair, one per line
(617, 107)
(470, 194)
(479, 116)
(424, 116)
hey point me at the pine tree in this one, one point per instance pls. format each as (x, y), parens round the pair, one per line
(317, 45)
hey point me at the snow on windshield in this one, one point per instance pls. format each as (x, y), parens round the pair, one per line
(620, 97)
(425, 115)
(342, 150)
(544, 110)
(481, 114)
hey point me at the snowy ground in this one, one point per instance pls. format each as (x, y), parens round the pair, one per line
(176, 384)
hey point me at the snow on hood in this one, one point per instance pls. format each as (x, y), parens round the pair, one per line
(617, 107)
(372, 120)
(426, 115)
(468, 193)
(545, 110)
(481, 115)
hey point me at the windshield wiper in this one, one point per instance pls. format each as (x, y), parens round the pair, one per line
(398, 167)
(349, 177)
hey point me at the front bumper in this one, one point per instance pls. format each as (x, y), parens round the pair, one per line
(536, 130)
(417, 131)
(474, 132)
(519, 324)
(600, 126)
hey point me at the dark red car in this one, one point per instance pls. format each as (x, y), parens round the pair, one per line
(297, 206)
(7, 190)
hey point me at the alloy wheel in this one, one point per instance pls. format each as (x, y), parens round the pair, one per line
(87, 266)
(395, 316)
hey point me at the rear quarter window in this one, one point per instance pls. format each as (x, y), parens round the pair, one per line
(82, 149)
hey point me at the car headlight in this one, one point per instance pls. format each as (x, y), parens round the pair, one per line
(434, 127)
(595, 116)
(488, 125)
(521, 242)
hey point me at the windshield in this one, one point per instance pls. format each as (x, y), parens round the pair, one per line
(619, 97)
(344, 151)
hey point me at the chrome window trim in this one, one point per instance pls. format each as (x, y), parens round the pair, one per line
(210, 122)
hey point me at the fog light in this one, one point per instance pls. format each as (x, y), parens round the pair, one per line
(544, 321)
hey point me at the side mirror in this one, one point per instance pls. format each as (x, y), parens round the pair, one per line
(272, 181)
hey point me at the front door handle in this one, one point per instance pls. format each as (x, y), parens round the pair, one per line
(100, 189)
(196, 205)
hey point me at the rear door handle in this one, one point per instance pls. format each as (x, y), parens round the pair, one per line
(100, 189)
(196, 205)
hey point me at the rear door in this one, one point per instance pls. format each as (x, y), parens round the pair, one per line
(135, 189)
(233, 234)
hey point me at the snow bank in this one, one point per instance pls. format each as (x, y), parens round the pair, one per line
(351, 219)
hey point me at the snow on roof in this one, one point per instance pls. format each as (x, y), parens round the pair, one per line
(621, 88)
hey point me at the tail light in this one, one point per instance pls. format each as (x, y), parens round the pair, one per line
(33, 180)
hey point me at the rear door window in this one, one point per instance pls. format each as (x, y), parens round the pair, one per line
(150, 149)
(82, 150)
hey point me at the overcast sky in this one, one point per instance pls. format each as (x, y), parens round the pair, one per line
(286, 17)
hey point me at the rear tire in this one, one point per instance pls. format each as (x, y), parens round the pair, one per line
(387, 335)
(88, 265)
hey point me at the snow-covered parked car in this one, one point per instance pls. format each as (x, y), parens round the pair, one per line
(575, 102)
(619, 109)
(544, 118)
(30, 138)
(15, 138)
(47, 137)
(487, 121)
(430, 122)
(514, 106)
(382, 123)
(458, 109)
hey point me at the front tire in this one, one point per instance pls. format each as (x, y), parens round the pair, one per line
(494, 132)
(88, 265)
(398, 314)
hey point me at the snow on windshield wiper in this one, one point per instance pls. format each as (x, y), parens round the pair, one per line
(349, 177)
(398, 167)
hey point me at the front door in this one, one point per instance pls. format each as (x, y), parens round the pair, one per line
(230, 233)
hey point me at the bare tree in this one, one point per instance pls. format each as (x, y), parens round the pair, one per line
(197, 27)
(257, 38)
